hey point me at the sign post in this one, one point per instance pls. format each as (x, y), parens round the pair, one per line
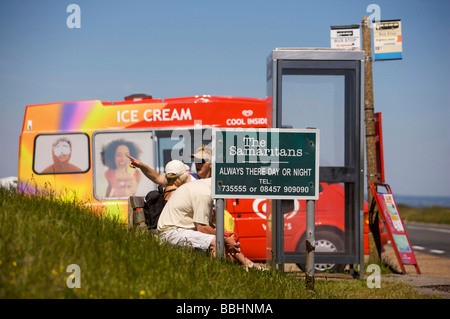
(310, 244)
(270, 164)
(220, 231)
(371, 156)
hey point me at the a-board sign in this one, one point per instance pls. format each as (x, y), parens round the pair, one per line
(265, 163)
(394, 226)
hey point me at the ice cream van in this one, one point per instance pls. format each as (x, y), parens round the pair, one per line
(78, 149)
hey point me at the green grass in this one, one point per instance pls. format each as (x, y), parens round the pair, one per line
(40, 236)
(434, 214)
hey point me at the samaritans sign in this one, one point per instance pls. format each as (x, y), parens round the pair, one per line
(265, 163)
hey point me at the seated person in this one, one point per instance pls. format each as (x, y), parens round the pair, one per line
(177, 173)
(185, 221)
(177, 168)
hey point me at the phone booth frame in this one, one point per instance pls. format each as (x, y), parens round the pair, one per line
(303, 61)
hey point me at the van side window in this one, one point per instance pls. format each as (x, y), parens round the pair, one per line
(179, 144)
(113, 176)
(61, 153)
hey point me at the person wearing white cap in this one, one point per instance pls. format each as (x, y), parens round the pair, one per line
(186, 221)
(202, 159)
(177, 173)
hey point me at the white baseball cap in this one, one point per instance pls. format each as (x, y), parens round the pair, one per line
(176, 167)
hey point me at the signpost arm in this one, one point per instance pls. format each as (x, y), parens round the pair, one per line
(220, 247)
(310, 244)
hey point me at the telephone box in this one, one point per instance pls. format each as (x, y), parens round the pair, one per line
(321, 88)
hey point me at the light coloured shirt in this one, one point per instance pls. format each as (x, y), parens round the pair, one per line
(191, 203)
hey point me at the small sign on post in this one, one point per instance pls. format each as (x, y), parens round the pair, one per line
(345, 37)
(387, 40)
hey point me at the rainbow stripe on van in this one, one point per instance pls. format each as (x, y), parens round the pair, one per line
(83, 121)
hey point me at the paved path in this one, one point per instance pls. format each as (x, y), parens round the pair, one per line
(435, 273)
(433, 280)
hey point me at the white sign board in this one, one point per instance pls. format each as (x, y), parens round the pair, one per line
(345, 37)
(387, 40)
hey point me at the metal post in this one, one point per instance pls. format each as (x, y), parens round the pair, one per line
(310, 244)
(361, 244)
(277, 235)
(220, 228)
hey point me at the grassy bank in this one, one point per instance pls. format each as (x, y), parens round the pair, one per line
(40, 237)
(434, 214)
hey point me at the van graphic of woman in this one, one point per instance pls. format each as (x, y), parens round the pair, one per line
(122, 182)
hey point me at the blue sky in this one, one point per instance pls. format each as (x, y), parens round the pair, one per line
(185, 48)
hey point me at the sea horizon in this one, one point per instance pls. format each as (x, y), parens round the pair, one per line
(422, 201)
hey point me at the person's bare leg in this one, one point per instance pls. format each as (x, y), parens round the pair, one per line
(243, 260)
(239, 257)
(212, 247)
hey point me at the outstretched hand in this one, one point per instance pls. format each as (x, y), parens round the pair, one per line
(134, 163)
(149, 172)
